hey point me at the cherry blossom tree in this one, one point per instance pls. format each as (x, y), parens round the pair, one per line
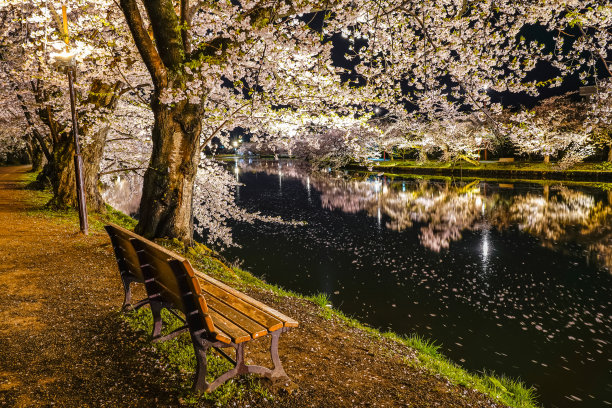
(32, 40)
(267, 67)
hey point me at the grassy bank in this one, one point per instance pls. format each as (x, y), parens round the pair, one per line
(178, 353)
(601, 171)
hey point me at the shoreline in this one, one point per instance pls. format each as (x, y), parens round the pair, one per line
(512, 172)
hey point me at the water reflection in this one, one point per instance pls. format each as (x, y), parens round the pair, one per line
(443, 211)
(123, 192)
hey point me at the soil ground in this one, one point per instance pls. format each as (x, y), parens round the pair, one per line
(63, 342)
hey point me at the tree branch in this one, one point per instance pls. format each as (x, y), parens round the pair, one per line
(218, 129)
(165, 24)
(185, 24)
(102, 173)
(145, 45)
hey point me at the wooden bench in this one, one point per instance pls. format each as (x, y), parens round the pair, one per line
(215, 314)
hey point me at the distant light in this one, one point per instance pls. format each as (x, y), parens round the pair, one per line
(377, 110)
(235, 143)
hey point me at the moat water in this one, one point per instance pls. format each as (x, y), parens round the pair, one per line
(513, 278)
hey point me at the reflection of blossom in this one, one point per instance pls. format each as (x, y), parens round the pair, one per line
(568, 215)
(443, 211)
(447, 215)
(556, 216)
(549, 218)
(446, 210)
(123, 192)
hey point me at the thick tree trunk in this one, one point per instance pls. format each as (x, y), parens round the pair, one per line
(92, 156)
(62, 172)
(166, 205)
(610, 152)
(167, 196)
(546, 158)
(63, 179)
(37, 156)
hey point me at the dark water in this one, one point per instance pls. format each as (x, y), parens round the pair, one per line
(511, 278)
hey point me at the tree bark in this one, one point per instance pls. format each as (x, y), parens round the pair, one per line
(167, 196)
(610, 152)
(62, 172)
(36, 155)
(546, 158)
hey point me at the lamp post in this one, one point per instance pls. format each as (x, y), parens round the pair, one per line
(67, 62)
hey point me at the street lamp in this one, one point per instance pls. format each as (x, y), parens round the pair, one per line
(66, 62)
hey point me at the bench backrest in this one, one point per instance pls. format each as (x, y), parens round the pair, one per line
(168, 279)
(127, 259)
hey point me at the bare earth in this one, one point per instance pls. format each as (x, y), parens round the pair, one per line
(63, 343)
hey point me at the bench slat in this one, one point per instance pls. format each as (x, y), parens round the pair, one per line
(163, 273)
(287, 321)
(128, 254)
(244, 322)
(266, 320)
(230, 329)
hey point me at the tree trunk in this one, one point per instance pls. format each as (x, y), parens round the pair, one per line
(37, 156)
(546, 158)
(610, 152)
(62, 172)
(167, 195)
(92, 156)
(103, 96)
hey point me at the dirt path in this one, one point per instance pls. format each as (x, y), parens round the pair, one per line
(63, 344)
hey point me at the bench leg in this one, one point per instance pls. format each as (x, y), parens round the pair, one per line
(278, 372)
(202, 346)
(157, 320)
(127, 301)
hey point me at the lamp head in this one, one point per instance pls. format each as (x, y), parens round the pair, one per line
(63, 59)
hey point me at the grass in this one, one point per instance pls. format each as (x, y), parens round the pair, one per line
(178, 352)
(517, 165)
